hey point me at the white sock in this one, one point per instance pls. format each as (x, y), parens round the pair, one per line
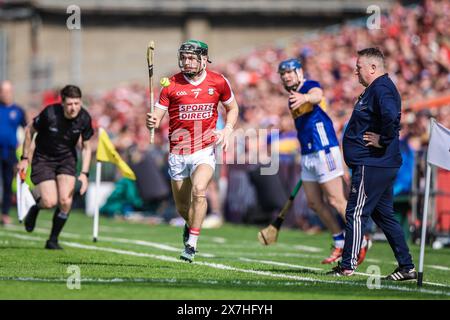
(193, 237)
(364, 242)
(339, 244)
(339, 240)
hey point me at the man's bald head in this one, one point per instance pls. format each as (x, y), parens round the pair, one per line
(370, 65)
(6, 92)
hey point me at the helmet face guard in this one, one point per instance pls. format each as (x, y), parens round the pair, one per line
(290, 65)
(199, 49)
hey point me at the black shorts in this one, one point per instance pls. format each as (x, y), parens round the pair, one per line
(47, 168)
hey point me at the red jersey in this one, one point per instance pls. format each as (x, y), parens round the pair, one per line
(192, 107)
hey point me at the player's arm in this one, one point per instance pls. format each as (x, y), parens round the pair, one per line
(154, 119)
(26, 149)
(314, 95)
(86, 154)
(232, 113)
(297, 99)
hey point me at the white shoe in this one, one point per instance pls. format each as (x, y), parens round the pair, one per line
(212, 221)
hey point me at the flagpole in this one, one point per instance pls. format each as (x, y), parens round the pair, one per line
(425, 213)
(98, 173)
(424, 225)
(19, 196)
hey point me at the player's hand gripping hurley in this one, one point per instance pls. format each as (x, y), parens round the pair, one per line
(269, 235)
(150, 54)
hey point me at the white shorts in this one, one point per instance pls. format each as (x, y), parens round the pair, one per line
(322, 167)
(182, 166)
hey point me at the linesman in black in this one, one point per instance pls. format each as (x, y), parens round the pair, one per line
(59, 128)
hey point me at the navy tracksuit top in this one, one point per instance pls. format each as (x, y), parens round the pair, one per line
(377, 110)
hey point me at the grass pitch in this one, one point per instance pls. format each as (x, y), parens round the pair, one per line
(135, 261)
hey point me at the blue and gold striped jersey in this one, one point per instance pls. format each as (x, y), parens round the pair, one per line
(315, 129)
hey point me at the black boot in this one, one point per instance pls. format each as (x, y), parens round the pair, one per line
(59, 220)
(30, 219)
(52, 245)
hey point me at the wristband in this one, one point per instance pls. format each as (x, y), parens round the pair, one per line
(23, 158)
(86, 174)
(229, 126)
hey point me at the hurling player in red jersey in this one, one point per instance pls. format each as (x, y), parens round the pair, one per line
(191, 100)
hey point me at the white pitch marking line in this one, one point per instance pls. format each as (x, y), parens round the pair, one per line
(308, 248)
(282, 264)
(442, 268)
(122, 240)
(256, 283)
(219, 240)
(296, 266)
(225, 267)
(208, 255)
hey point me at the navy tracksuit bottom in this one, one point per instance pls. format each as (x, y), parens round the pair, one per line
(371, 195)
(7, 163)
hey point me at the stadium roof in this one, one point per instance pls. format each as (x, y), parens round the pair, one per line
(299, 7)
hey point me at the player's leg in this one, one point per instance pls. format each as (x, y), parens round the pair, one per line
(203, 164)
(197, 211)
(316, 170)
(43, 175)
(330, 172)
(333, 190)
(334, 193)
(48, 199)
(215, 218)
(315, 201)
(66, 186)
(181, 190)
(200, 166)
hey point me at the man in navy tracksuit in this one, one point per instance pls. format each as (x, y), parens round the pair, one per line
(371, 150)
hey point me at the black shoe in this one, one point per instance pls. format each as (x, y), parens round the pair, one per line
(338, 271)
(52, 245)
(185, 234)
(30, 219)
(402, 274)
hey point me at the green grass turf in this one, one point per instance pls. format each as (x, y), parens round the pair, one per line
(27, 271)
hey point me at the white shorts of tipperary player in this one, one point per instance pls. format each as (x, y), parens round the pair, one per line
(322, 166)
(182, 166)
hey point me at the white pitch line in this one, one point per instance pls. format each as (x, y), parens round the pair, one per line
(219, 240)
(296, 266)
(229, 268)
(308, 248)
(122, 240)
(208, 255)
(25, 237)
(256, 283)
(442, 268)
(282, 264)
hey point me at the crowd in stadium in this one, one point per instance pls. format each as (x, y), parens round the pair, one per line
(415, 41)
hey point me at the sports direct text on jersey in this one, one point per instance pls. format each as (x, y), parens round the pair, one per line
(196, 111)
